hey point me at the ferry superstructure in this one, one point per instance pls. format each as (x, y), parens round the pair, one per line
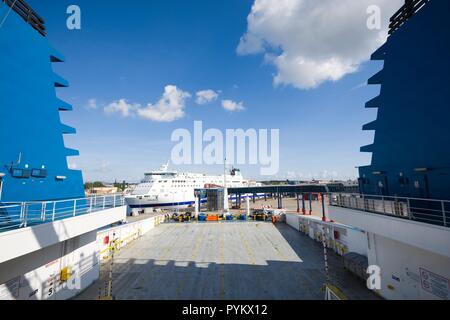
(171, 189)
(403, 205)
(48, 229)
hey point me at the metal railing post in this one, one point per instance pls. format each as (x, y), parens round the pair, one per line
(444, 216)
(43, 211)
(22, 214)
(25, 215)
(74, 207)
(408, 209)
(384, 205)
(54, 211)
(90, 205)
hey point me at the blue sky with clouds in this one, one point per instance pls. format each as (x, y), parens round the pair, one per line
(128, 53)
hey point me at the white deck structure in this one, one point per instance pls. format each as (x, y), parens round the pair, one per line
(39, 249)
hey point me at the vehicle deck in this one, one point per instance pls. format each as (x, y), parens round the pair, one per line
(216, 261)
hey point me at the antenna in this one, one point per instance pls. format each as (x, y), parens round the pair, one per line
(225, 172)
(225, 190)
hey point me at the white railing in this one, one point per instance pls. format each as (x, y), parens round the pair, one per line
(26, 214)
(435, 212)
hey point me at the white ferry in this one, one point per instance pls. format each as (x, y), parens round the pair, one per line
(170, 189)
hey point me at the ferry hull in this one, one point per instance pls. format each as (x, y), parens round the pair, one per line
(137, 203)
(134, 203)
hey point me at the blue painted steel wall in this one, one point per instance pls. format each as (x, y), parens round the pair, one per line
(413, 126)
(29, 116)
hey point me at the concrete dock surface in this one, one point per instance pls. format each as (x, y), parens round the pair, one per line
(217, 261)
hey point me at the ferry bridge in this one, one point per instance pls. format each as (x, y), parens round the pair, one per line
(303, 193)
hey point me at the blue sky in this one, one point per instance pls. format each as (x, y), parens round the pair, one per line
(132, 50)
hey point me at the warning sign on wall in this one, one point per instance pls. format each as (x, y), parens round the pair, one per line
(435, 284)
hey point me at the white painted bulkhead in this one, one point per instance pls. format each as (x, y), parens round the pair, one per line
(23, 241)
(407, 272)
(125, 234)
(414, 257)
(36, 276)
(341, 238)
(421, 235)
(32, 259)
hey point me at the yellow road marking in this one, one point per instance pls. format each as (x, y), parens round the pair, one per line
(164, 256)
(194, 256)
(247, 248)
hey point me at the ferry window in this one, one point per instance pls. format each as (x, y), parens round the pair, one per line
(39, 173)
(20, 173)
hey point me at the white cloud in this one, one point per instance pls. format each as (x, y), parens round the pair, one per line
(310, 42)
(170, 106)
(232, 106)
(92, 104)
(121, 106)
(206, 96)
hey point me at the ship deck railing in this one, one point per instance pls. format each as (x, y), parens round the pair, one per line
(27, 214)
(436, 212)
(28, 14)
(410, 8)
